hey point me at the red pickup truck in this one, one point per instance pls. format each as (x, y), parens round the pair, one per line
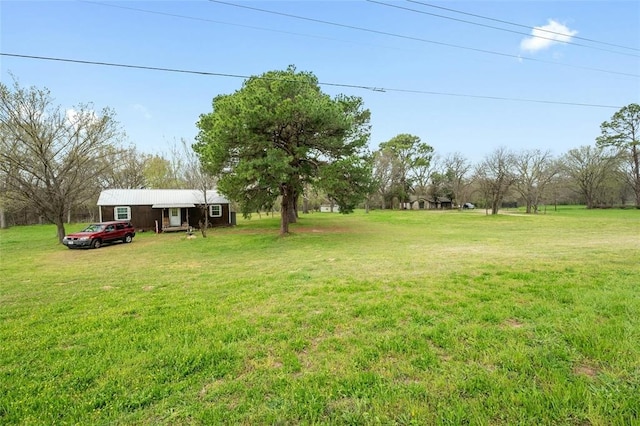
(96, 234)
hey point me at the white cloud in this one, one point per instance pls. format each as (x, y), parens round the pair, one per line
(142, 110)
(542, 39)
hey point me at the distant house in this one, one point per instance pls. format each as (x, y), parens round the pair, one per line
(430, 203)
(440, 203)
(164, 209)
(327, 208)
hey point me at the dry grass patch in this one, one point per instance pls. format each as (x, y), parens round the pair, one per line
(586, 370)
(513, 323)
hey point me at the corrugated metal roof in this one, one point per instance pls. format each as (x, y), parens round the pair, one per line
(144, 197)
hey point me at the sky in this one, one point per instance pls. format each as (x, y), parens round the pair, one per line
(479, 76)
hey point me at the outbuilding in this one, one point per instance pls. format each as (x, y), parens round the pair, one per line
(163, 210)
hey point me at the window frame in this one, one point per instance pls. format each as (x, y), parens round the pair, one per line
(211, 213)
(115, 213)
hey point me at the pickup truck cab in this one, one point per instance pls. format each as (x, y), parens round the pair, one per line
(97, 234)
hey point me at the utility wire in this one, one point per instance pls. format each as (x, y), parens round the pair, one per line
(175, 70)
(352, 86)
(473, 49)
(213, 21)
(503, 29)
(520, 25)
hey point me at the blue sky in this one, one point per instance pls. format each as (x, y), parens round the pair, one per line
(416, 54)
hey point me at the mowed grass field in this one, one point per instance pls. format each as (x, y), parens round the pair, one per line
(391, 317)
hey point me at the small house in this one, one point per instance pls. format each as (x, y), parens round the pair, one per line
(329, 208)
(165, 209)
(430, 203)
(440, 203)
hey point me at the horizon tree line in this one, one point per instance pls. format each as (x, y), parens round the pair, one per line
(53, 163)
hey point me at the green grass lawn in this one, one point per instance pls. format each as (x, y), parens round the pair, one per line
(381, 318)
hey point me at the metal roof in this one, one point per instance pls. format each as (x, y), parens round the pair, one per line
(150, 197)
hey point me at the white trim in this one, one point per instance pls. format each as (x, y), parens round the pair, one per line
(115, 213)
(211, 206)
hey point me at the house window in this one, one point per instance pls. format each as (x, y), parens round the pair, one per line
(122, 213)
(215, 210)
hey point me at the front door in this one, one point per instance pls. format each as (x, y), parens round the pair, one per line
(174, 217)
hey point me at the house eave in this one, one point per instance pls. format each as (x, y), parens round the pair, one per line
(172, 206)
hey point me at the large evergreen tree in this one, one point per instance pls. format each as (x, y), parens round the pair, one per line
(280, 132)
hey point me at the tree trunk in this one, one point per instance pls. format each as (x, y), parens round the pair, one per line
(495, 205)
(204, 230)
(635, 158)
(284, 216)
(589, 199)
(204, 226)
(285, 206)
(293, 215)
(3, 219)
(60, 228)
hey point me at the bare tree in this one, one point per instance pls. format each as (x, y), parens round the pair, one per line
(196, 177)
(423, 174)
(457, 168)
(534, 169)
(589, 168)
(4, 199)
(126, 169)
(48, 155)
(495, 176)
(386, 173)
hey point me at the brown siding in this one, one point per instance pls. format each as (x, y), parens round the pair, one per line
(144, 217)
(213, 221)
(106, 213)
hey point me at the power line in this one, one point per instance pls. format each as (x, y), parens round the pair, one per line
(213, 21)
(351, 86)
(503, 29)
(473, 49)
(165, 69)
(521, 25)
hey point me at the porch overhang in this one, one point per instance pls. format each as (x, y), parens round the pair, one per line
(172, 206)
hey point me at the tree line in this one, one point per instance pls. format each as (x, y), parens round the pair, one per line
(280, 143)
(598, 176)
